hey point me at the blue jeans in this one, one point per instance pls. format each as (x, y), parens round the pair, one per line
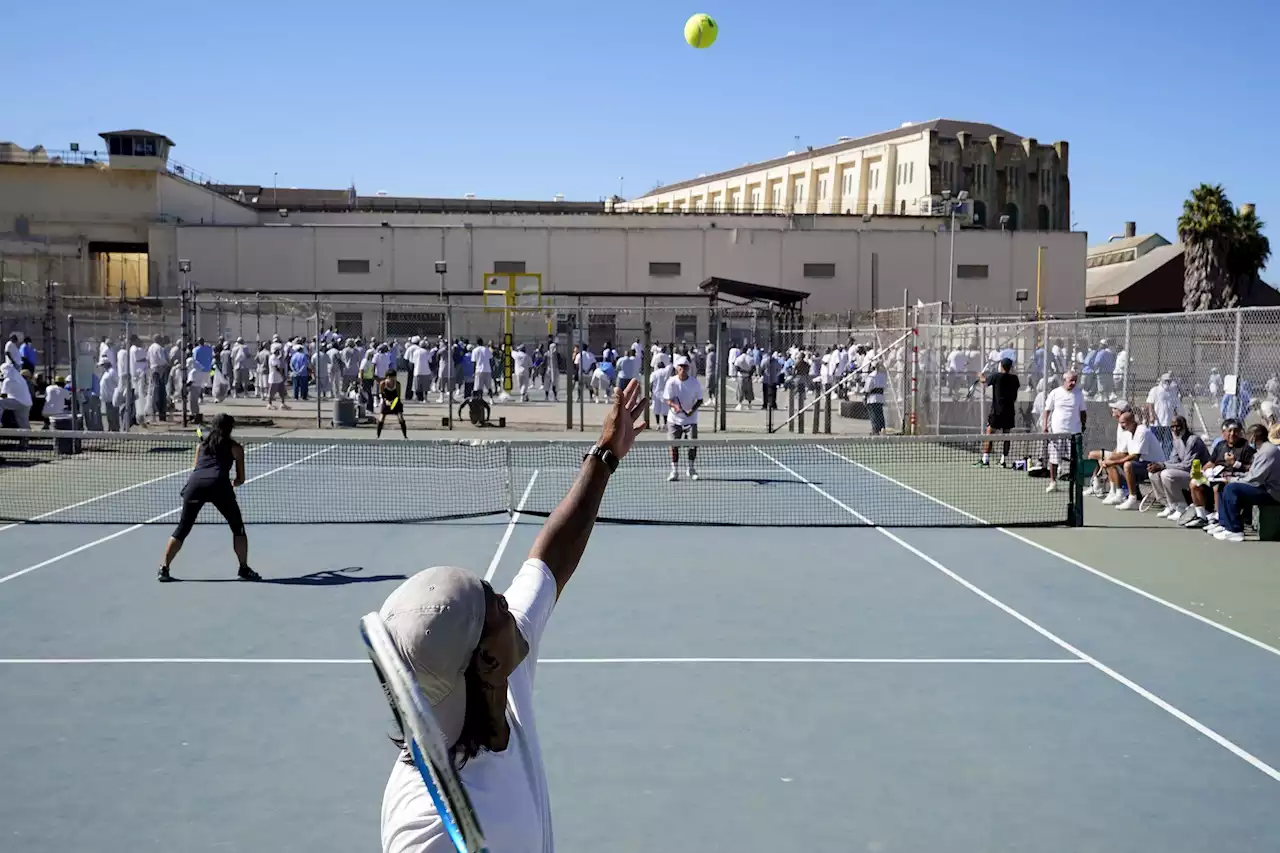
(1238, 498)
(299, 386)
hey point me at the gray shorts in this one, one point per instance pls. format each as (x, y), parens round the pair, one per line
(675, 432)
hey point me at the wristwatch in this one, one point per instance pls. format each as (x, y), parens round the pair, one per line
(604, 455)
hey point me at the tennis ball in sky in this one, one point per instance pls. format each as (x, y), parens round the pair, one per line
(701, 30)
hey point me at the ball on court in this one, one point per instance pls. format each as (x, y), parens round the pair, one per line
(701, 30)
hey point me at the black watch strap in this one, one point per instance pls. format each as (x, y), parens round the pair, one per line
(604, 455)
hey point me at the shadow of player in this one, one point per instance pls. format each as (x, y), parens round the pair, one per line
(324, 577)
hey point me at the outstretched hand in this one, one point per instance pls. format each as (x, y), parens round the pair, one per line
(624, 420)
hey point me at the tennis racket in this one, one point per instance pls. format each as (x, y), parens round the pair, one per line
(423, 738)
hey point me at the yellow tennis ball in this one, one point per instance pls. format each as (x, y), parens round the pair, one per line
(701, 30)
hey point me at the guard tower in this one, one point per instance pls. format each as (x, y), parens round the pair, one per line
(137, 149)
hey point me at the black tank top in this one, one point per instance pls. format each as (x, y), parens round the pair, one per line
(390, 391)
(211, 466)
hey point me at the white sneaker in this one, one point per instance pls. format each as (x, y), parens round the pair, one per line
(738, 408)
(1129, 504)
(693, 475)
(1165, 513)
(1213, 529)
(1213, 516)
(1052, 487)
(1112, 499)
(1228, 536)
(672, 477)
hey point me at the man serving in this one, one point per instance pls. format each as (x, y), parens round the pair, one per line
(474, 652)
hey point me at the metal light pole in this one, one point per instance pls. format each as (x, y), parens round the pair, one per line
(442, 267)
(951, 265)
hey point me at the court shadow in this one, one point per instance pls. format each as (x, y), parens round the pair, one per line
(324, 577)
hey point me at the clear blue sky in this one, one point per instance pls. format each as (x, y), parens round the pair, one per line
(529, 99)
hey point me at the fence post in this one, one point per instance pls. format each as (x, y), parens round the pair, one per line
(1236, 360)
(646, 370)
(453, 368)
(316, 368)
(826, 418)
(1128, 360)
(183, 349)
(582, 341)
(791, 405)
(74, 380)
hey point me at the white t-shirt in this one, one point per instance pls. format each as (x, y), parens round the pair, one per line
(586, 362)
(1164, 404)
(421, 361)
(1064, 408)
(157, 358)
(658, 389)
(687, 392)
(276, 364)
(1145, 443)
(508, 789)
(482, 359)
(381, 363)
(520, 361)
(57, 400)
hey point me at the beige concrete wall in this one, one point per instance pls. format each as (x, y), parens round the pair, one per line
(269, 258)
(76, 196)
(194, 204)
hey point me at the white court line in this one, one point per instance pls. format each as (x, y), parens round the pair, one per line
(511, 526)
(134, 527)
(1187, 719)
(577, 661)
(1072, 560)
(116, 492)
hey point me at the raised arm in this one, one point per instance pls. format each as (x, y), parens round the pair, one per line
(564, 536)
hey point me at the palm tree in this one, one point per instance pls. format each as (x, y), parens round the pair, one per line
(1248, 255)
(1207, 230)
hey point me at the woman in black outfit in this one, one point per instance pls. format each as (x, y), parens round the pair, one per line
(210, 482)
(389, 389)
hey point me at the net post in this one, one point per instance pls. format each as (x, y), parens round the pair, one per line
(826, 414)
(569, 371)
(182, 350)
(1075, 515)
(791, 406)
(817, 417)
(453, 368)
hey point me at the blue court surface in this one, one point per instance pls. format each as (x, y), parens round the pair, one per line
(746, 689)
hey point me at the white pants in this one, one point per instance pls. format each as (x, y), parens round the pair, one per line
(484, 382)
(522, 383)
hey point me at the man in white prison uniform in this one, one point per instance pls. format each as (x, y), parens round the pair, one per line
(139, 373)
(110, 393)
(744, 368)
(637, 349)
(657, 356)
(684, 398)
(585, 363)
(601, 384)
(520, 368)
(106, 352)
(410, 361)
(713, 378)
(658, 392)
(1064, 412)
(275, 376)
(336, 368)
(382, 362)
(240, 367)
(551, 377)
(482, 358)
(1163, 404)
(126, 395)
(263, 371)
(421, 355)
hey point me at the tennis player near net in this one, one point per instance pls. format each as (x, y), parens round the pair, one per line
(474, 652)
(210, 482)
(684, 397)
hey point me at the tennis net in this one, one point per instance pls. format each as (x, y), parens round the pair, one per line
(892, 481)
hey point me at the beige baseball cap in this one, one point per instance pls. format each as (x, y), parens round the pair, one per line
(435, 619)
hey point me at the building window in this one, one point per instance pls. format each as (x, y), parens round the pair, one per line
(776, 198)
(822, 189)
(687, 328)
(902, 207)
(799, 191)
(819, 270)
(348, 324)
(911, 172)
(698, 205)
(664, 268)
(404, 324)
(755, 199)
(848, 183)
(353, 266)
(971, 270)
(510, 267)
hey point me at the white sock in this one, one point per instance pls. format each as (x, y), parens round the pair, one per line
(1201, 512)
(986, 458)
(1003, 460)
(673, 467)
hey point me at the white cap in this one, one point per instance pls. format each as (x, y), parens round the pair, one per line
(681, 361)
